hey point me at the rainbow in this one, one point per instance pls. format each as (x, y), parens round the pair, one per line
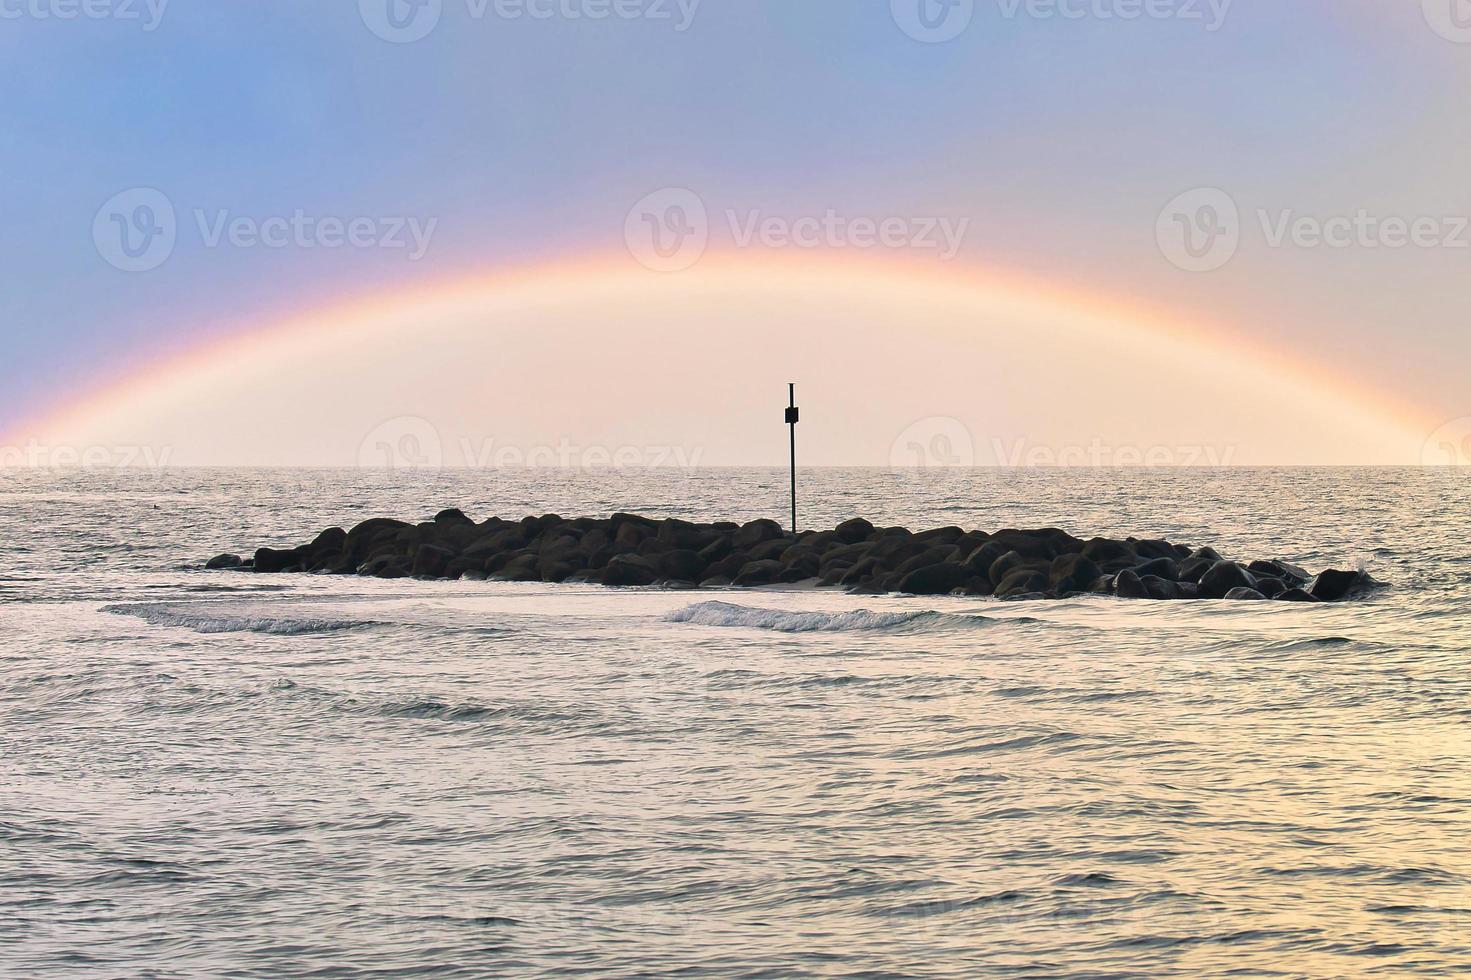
(604, 275)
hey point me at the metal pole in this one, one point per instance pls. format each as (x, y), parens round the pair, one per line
(792, 422)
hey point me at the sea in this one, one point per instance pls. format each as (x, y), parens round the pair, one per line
(223, 774)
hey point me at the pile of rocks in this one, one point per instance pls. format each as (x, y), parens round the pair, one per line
(629, 550)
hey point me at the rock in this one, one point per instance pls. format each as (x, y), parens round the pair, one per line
(937, 579)
(430, 561)
(1296, 595)
(865, 569)
(1333, 584)
(764, 572)
(1150, 550)
(452, 516)
(628, 549)
(1224, 576)
(1073, 573)
(720, 548)
(1160, 568)
(1013, 560)
(1271, 587)
(628, 570)
(1128, 585)
(1281, 570)
(1192, 569)
(715, 582)
(757, 532)
(854, 531)
(1160, 588)
(940, 535)
(681, 564)
(926, 558)
(1022, 581)
(1245, 594)
(269, 561)
(1105, 550)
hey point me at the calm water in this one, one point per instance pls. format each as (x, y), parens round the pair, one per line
(221, 774)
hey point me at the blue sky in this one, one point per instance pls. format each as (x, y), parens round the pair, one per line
(1058, 139)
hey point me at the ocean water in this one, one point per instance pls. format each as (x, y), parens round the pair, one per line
(221, 774)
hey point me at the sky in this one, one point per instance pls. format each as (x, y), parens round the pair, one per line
(420, 231)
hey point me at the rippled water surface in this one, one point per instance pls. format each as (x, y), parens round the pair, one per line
(228, 774)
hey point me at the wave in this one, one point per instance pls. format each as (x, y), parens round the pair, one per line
(203, 619)
(786, 621)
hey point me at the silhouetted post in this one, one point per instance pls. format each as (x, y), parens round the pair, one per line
(792, 415)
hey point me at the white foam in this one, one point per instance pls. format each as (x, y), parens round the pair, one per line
(786, 621)
(203, 619)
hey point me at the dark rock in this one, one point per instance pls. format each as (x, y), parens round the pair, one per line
(1280, 569)
(1012, 561)
(926, 558)
(430, 561)
(757, 532)
(1296, 595)
(1105, 550)
(1224, 576)
(937, 579)
(626, 570)
(1022, 581)
(682, 563)
(1334, 584)
(854, 531)
(1245, 594)
(764, 572)
(1192, 569)
(1073, 573)
(715, 582)
(720, 548)
(1160, 588)
(452, 516)
(865, 569)
(270, 561)
(940, 535)
(773, 549)
(1150, 550)
(1128, 585)
(1271, 587)
(219, 562)
(1161, 568)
